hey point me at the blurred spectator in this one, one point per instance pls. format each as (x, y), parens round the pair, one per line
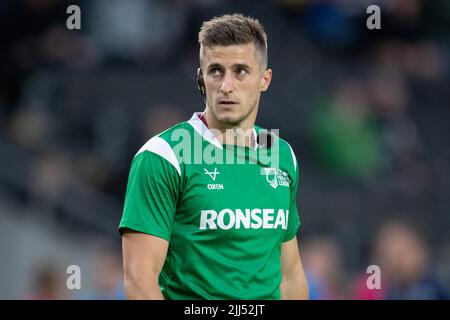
(107, 275)
(342, 132)
(49, 283)
(402, 146)
(322, 261)
(52, 177)
(407, 272)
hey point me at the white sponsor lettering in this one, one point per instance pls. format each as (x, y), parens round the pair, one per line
(215, 186)
(246, 219)
(281, 221)
(243, 218)
(257, 218)
(267, 218)
(221, 219)
(207, 218)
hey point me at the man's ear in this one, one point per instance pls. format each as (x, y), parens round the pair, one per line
(265, 80)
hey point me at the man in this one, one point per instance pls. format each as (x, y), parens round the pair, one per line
(223, 227)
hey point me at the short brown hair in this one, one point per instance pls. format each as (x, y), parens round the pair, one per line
(234, 29)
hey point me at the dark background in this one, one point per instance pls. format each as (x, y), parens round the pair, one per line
(366, 111)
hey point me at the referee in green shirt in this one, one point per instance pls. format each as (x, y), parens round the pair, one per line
(210, 208)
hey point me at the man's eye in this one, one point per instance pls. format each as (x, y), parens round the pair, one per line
(215, 72)
(242, 72)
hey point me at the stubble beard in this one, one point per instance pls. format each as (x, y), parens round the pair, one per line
(236, 122)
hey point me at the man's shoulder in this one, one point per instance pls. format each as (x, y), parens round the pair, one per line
(161, 145)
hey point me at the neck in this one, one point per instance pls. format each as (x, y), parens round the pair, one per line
(240, 133)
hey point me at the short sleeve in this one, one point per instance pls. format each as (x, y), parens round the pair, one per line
(294, 219)
(151, 196)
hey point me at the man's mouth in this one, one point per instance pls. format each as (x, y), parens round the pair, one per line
(227, 102)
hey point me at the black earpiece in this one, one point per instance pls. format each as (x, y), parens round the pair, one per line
(201, 82)
(265, 139)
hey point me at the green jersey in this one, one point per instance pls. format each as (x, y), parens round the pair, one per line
(224, 209)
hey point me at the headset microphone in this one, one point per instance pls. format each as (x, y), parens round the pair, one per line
(201, 82)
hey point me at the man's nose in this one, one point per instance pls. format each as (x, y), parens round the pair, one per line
(227, 83)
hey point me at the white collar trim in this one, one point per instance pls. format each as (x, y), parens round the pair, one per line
(203, 130)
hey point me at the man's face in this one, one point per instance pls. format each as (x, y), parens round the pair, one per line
(234, 81)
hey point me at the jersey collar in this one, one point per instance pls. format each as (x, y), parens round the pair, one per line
(199, 126)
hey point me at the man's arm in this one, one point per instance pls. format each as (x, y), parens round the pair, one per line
(293, 282)
(143, 259)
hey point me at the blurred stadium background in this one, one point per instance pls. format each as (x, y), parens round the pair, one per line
(366, 111)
